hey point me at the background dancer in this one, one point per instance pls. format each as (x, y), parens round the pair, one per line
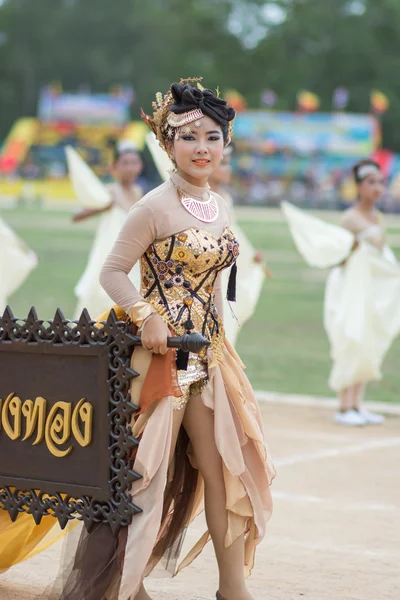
(120, 196)
(251, 270)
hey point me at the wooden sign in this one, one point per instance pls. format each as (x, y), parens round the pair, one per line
(66, 443)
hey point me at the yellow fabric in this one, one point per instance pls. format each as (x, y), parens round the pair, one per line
(119, 313)
(24, 539)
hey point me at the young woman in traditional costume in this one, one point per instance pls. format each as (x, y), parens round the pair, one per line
(199, 425)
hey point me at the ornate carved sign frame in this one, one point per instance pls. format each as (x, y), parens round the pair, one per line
(66, 445)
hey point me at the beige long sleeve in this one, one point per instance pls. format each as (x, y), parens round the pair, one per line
(136, 236)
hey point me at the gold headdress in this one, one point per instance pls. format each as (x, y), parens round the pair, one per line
(167, 124)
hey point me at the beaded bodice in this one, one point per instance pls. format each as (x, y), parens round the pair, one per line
(178, 276)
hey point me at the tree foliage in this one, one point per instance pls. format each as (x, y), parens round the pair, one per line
(232, 43)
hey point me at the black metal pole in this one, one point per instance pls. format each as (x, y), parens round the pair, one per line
(189, 342)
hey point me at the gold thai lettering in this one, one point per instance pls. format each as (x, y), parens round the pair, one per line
(12, 408)
(35, 415)
(56, 426)
(84, 410)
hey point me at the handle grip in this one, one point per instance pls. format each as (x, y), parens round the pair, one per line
(189, 342)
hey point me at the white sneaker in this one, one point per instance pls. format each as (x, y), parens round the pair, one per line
(371, 418)
(351, 418)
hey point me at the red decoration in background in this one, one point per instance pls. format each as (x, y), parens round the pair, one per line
(385, 159)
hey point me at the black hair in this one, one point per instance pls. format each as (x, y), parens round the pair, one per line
(117, 151)
(187, 98)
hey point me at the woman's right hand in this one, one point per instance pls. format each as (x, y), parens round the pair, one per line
(353, 248)
(86, 213)
(82, 215)
(154, 335)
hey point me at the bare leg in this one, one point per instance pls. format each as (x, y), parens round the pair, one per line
(351, 397)
(358, 395)
(199, 425)
(178, 417)
(346, 398)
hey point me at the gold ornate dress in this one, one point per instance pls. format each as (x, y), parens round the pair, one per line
(177, 278)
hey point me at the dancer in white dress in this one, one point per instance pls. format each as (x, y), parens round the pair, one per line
(251, 270)
(113, 202)
(366, 223)
(16, 262)
(362, 311)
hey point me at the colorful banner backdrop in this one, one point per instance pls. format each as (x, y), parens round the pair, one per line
(124, 91)
(36, 149)
(340, 98)
(236, 100)
(340, 134)
(84, 108)
(17, 144)
(308, 101)
(379, 102)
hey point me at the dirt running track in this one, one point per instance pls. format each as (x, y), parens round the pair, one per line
(335, 533)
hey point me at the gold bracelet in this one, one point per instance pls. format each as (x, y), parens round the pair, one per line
(140, 312)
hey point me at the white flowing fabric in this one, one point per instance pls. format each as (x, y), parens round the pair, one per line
(249, 283)
(250, 274)
(16, 262)
(88, 290)
(161, 159)
(362, 308)
(92, 193)
(321, 244)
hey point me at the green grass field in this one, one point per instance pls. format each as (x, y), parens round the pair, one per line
(284, 346)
